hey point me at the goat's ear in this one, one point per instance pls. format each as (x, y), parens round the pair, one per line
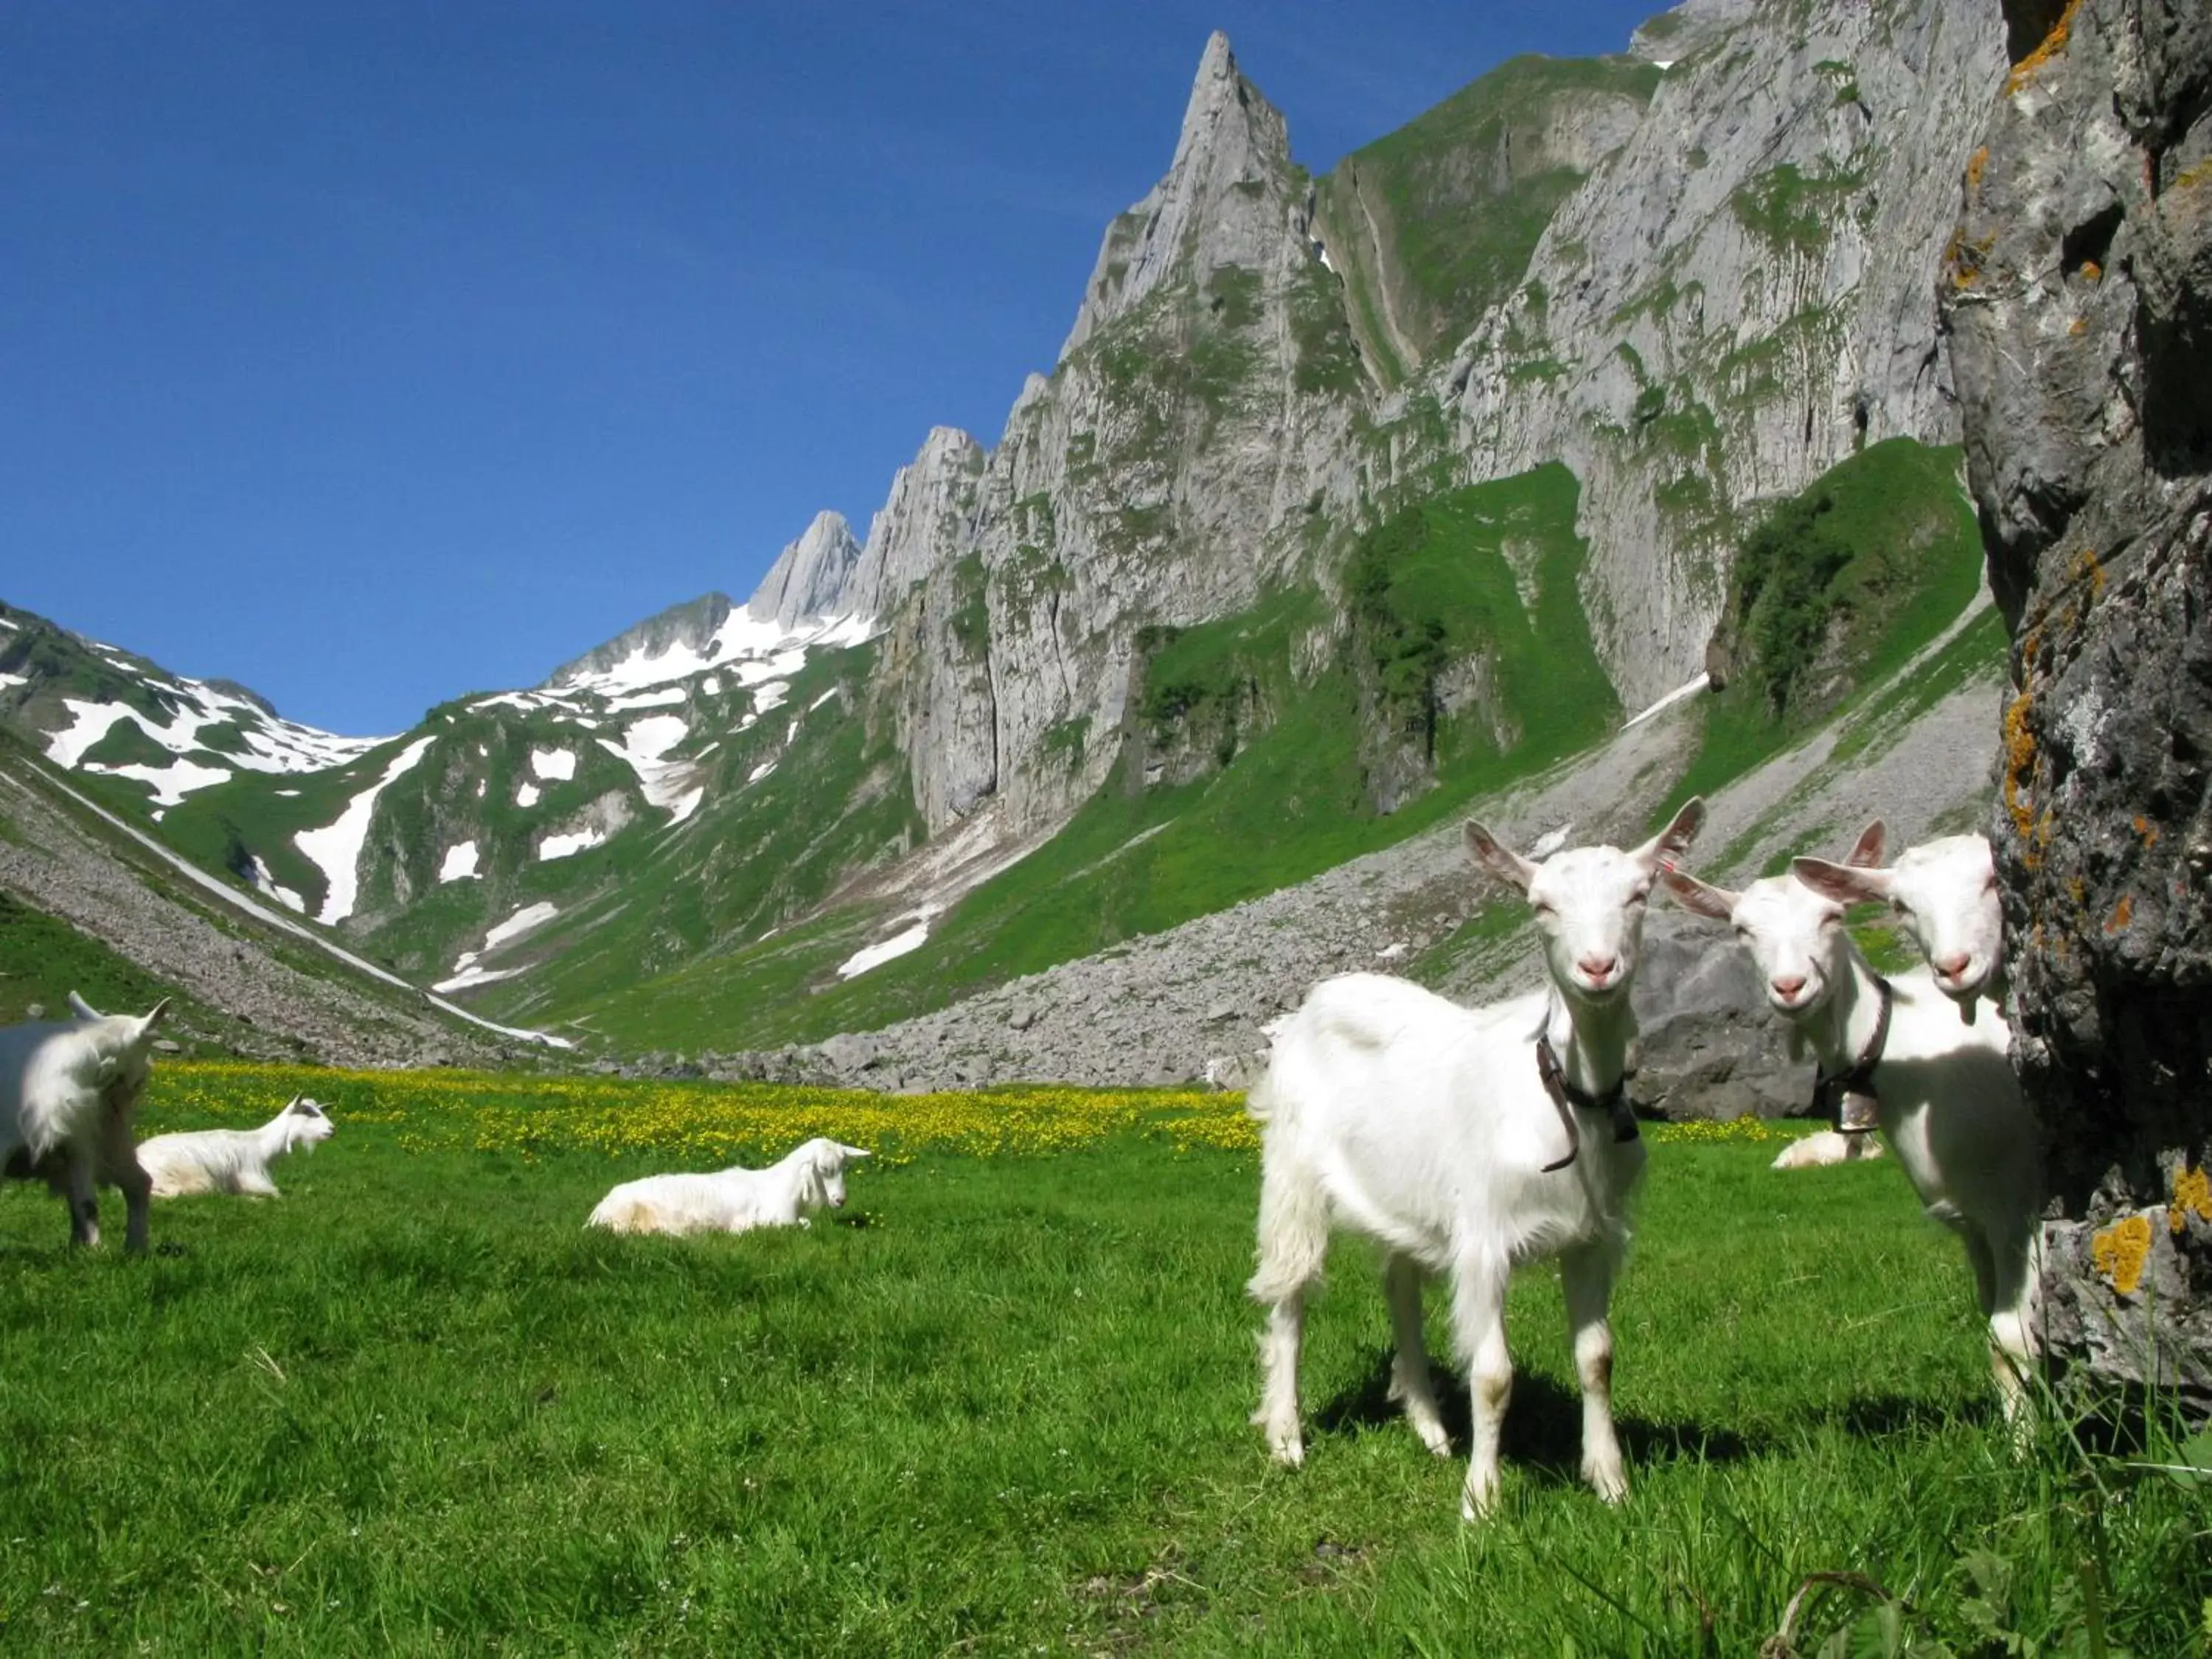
(1701, 897)
(854, 1151)
(1495, 860)
(1842, 883)
(82, 1009)
(1665, 850)
(155, 1016)
(1866, 852)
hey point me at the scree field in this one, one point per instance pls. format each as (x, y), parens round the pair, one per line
(998, 1405)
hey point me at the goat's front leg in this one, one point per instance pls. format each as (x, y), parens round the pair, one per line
(1409, 1367)
(1586, 1280)
(83, 1202)
(138, 1201)
(1478, 1326)
(2015, 1278)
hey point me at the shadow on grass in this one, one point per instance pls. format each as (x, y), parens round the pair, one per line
(1543, 1423)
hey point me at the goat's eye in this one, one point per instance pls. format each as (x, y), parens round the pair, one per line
(1540, 906)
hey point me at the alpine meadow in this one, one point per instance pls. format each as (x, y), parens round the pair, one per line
(1573, 742)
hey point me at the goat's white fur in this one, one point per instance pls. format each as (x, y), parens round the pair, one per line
(1945, 892)
(732, 1200)
(69, 1090)
(1425, 1126)
(1946, 1098)
(232, 1160)
(1825, 1147)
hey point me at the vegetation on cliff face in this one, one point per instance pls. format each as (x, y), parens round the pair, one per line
(1832, 589)
(1434, 223)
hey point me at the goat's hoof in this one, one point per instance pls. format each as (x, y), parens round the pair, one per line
(1610, 1484)
(1476, 1503)
(1286, 1446)
(1434, 1438)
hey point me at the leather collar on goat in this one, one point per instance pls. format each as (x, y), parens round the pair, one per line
(1565, 1095)
(1848, 1099)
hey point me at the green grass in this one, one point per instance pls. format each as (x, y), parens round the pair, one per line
(413, 1406)
(43, 958)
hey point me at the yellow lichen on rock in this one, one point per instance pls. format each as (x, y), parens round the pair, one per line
(2020, 765)
(2053, 44)
(2192, 1195)
(2120, 1251)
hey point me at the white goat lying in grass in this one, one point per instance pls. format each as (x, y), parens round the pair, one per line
(1825, 1147)
(732, 1200)
(1946, 1095)
(232, 1160)
(67, 1091)
(1467, 1143)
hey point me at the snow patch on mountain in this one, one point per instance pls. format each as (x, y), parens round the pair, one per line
(334, 848)
(524, 920)
(874, 956)
(554, 764)
(745, 646)
(667, 784)
(526, 795)
(460, 862)
(265, 881)
(572, 842)
(270, 744)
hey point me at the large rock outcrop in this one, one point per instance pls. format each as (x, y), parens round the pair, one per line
(2078, 298)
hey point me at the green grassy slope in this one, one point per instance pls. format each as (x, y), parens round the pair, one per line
(1294, 796)
(1000, 1405)
(1459, 197)
(1847, 580)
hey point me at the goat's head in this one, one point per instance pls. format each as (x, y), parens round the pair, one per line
(822, 1171)
(1946, 894)
(1795, 934)
(1589, 902)
(306, 1122)
(123, 1049)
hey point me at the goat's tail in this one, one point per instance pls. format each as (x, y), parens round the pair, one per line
(1293, 1227)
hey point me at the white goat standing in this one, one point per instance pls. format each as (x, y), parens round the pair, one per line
(67, 1091)
(232, 1160)
(732, 1200)
(1467, 1143)
(1946, 1095)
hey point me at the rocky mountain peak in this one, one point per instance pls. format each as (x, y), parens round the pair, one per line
(808, 579)
(1221, 204)
(689, 625)
(1682, 33)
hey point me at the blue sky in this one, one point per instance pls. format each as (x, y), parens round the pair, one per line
(371, 354)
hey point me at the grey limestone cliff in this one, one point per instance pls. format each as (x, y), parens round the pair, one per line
(1738, 297)
(1731, 290)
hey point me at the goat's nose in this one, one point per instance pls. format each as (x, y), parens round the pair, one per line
(1598, 968)
(1953, 966)
(1789, 985)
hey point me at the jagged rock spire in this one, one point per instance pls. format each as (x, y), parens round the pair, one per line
(807, 581)
(921, 523)
(1194, 219)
